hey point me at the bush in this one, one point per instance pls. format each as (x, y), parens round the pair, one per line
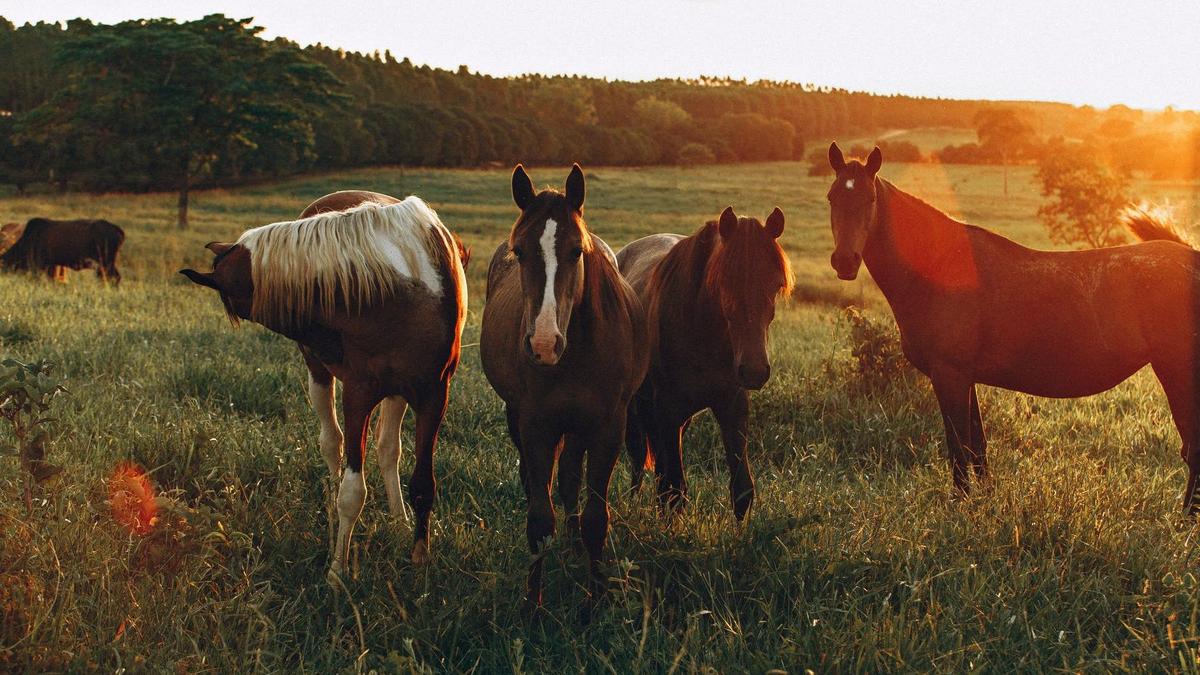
(694, 154)
(875, 348)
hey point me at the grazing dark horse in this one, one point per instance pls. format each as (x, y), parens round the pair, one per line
(976, 308)
(709, 301)
(373, 291)
(55, 245)
(563, 343)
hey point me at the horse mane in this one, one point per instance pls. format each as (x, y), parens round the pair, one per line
(310, 268)
(1153, 223)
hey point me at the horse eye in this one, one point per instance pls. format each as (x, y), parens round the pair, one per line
(576, 252)
(518, 252)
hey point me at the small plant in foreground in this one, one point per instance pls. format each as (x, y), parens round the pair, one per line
(27, 391)
(875, 346)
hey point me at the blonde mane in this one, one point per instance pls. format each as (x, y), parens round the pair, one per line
(347, 260)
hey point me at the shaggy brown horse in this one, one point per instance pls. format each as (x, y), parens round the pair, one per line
(563, 343)
(54, 246)
(373, 291)
(709, 300)
(976, 308)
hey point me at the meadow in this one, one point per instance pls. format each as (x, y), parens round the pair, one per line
(855, 557)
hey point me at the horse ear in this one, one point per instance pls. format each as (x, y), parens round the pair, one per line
(775, 223)
(836, 159)
(522, 187)
(201, 278)
(874, 161)
(727, 224)
(218, 247)
(575, 189)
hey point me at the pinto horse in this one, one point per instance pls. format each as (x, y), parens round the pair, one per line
(709, 300)
(976, 308)
(563, 343)
(373, 291)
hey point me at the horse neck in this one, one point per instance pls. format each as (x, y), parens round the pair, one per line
(913, 246)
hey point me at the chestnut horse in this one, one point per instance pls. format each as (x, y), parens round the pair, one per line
(563, 343)
(373, 291)
(976, 308)
(709, 301)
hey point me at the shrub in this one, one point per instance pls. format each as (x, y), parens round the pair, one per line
(26, 393)
(694, 154)
(1084, 198)
(875, 348)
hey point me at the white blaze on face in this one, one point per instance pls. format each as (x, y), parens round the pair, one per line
(545, 327)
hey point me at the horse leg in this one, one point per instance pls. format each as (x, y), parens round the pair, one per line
(570, 470)
(422, 486)
(537, 465)
(387, 449)
(667, 445)
(1179, 384)
(637, 445)
(954, 399)
(733, 417)
(603, 451)
(320, 394)
(979, 461)
(357, 403)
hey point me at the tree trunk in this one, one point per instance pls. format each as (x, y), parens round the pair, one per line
(184, 186)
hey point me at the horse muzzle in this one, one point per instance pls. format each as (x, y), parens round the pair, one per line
(846, 264)
(545, 350)
(753, 377)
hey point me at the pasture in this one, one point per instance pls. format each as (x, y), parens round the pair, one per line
(854, 558)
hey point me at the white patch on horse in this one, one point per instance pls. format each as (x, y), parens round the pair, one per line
(545, 328)
(352, 494)
(321, 396)
(849, 183)
(414, 262)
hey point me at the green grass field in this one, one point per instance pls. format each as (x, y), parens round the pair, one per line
(854, 558)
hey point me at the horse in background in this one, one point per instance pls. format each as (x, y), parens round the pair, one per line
(54, 246)
(373, 291)
(976, 308)
(563, 343)
(709, 300)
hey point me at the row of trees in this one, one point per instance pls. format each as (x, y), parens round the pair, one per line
(154, 104)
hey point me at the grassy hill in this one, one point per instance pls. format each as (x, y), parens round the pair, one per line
(854, 558)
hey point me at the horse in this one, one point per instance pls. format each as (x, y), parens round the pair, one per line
(976, 308)
(53, 246)
(563, 344)
(709, 300)
(373, 290)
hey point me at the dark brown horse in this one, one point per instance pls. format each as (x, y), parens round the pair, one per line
(976, 308)
(54, 246)
(709, 300)
(563, 343)
(373, 291)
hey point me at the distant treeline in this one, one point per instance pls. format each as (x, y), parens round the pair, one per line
(94, 107)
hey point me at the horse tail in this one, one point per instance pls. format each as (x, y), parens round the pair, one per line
(1153, 223)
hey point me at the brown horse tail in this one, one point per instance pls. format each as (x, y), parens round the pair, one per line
(1151, 223)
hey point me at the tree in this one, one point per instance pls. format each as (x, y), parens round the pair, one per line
(185, 96)
(694, 154)
(1084, 198)
(1002, 133)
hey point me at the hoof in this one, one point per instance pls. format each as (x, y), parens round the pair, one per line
(420, 553)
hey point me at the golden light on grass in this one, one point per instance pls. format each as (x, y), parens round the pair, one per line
(131, 496)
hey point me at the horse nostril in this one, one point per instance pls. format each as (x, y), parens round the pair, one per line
(754, 377)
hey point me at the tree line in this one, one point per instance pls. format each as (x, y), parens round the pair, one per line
(158, 104)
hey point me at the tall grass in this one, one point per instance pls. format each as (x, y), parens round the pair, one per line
(855, 557)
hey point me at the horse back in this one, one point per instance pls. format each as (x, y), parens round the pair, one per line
(638, 259)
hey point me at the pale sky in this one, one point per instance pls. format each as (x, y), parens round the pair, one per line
(1143, 54)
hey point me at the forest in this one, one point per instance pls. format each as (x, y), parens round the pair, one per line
(109, 107)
